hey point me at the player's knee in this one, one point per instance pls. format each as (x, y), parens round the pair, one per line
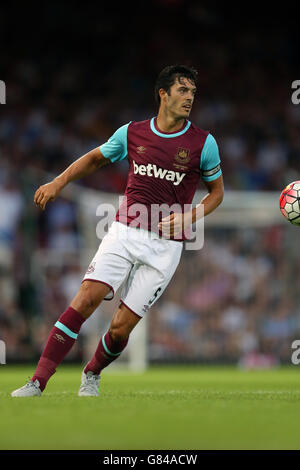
(86, 301)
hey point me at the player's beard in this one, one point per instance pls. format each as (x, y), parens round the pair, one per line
(176, 111)
(183, 115)
(179, 114)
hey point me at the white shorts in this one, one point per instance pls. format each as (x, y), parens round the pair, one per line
(138, 259)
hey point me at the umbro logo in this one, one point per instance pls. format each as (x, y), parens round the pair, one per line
(59, 338)
(141, 149)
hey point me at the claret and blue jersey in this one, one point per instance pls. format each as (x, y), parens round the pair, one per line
(164, 168)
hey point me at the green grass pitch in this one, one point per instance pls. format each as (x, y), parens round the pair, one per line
(164, 408)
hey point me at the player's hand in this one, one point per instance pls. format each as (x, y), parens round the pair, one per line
(174, 224)
(46, 193)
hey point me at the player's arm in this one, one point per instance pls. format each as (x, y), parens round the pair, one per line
(82, 167)
(212, 177)
(175, 223)
(115, 149)
(211, 201)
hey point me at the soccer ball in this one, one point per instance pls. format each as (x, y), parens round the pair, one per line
(289, 202)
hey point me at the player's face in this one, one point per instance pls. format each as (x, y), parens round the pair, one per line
(180, 99)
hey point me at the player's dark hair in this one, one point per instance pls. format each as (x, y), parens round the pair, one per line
(168, 75)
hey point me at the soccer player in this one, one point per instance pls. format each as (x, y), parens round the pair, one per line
(167, 155)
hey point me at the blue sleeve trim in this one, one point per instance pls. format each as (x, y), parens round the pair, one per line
(116, 147)
(210, 160)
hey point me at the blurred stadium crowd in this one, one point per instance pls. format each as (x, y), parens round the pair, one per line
(65, 101)
(234, 300)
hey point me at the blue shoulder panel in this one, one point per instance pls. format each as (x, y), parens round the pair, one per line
(210, 160)
(116, 147)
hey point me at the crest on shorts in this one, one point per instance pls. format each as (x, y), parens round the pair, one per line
(182, 155)
(91, 268)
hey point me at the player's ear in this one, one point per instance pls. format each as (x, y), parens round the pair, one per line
(162, 94)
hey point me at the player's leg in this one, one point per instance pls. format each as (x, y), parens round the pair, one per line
(109, 348)
(144, 285)
(89, 297)
(114, 340)
(108, 269)
(144, 279)
(64, 334)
